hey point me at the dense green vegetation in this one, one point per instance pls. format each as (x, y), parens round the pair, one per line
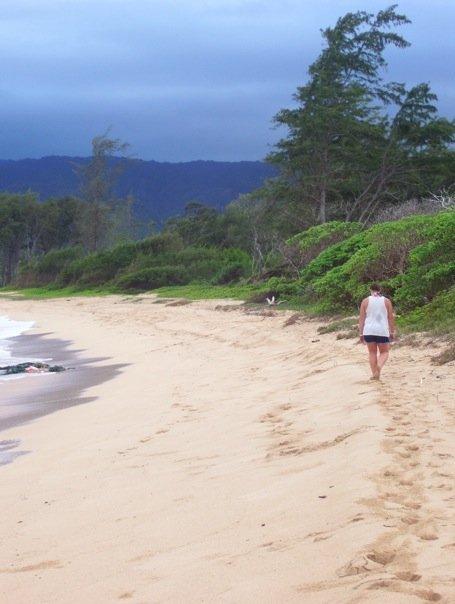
(350, 206)
(138, 266)
(413, 258)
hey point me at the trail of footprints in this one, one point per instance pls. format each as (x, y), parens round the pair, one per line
(404, 503)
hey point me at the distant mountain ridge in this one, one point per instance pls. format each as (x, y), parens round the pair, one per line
(160, 189)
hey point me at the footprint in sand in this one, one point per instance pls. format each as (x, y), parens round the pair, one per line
(412, 505)
(47, 564)
(406, 482)
(442, 474)
(382, 557)
(428, 533)
(443, 486)
(413, 464)
(319, 536)
(375, 560)
(392, 586)
(276, 546)
(359, 566)
(410, 519)
(428, 595)
(431, 464)
(406, 575)
(404, 454)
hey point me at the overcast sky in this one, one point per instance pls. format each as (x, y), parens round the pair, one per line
(182, 79)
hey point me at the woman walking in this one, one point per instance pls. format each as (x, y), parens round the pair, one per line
(376, 328)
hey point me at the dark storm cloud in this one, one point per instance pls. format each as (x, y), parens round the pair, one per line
(180, 79)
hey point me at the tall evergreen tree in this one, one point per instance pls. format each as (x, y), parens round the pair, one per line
(344, 154)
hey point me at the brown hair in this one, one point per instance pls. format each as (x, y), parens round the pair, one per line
(375, 287)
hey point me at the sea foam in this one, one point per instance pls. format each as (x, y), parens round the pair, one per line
(10, 329)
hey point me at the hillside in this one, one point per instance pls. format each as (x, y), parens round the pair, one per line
(161, 189)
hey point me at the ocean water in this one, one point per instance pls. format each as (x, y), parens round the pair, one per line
(10, 329)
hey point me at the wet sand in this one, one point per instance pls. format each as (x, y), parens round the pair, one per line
(237, 458)
(25, 398)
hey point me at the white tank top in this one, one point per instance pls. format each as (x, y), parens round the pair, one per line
(376, 322)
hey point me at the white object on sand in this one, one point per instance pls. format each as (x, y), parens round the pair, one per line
(272, 302)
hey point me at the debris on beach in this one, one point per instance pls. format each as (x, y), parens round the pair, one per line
(273, 302)
(29, 367)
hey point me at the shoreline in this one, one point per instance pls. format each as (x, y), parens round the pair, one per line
(30, 397)
(238, 458)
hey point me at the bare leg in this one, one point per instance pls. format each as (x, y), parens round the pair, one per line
(373, 358)
(383, 356)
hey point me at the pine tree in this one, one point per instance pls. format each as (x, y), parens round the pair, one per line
(346, 152)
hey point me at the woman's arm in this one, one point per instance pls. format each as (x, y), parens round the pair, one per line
(362, 316)
(391, 318)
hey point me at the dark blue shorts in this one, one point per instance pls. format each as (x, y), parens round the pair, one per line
(377, 339)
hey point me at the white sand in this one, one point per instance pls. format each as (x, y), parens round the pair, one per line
(234, 460)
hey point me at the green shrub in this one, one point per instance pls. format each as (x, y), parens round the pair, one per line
(143, 260)
(381, 254)
(159, 244)
(100, 267)
(71, 273)
(315, 239)
(333, 256)
(201, 263)
(283, 288)
(152, 278)
(54, 261)
(388, 248)
(438, 314)
(431, 264)
(331, 290)
(236, 265)
(229, 273)
(45, 269)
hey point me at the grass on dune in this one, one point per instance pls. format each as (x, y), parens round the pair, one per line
(436, 317)
(38, 293)
(195, 291)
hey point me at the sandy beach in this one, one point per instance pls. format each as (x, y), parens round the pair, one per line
(233, 457)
